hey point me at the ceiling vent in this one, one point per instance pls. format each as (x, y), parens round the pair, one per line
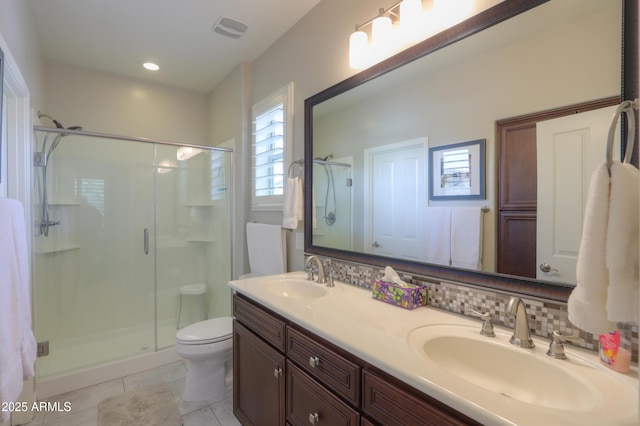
(229, 27)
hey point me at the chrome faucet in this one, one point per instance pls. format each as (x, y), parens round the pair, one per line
(556, 348)
(521, 332)
(324, 272)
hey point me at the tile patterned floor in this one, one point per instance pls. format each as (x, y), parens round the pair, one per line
(84, 402)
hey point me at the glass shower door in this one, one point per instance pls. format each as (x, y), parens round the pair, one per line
(193, 237)
(94, 268)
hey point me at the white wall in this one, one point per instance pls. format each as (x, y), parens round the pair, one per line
(18, 31)
(107, 103)
(229, 107)
(314, 55)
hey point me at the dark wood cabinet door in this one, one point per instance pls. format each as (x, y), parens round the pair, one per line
(308, 402)
(264, 323)
(325, 365)
(390, 405)
(517, 171)
(258, 380)
(517, 242)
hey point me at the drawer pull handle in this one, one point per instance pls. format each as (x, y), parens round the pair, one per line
(314, 361)
(314, 418)
(277, 372)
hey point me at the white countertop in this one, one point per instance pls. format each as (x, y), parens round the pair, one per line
(378, 332)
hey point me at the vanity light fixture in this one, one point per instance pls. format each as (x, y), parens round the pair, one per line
(151, 66)
(404, 24)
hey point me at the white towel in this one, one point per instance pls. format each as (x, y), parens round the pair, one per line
(438, 238)
(466, 237)
(293, 203)
(622, 244)
(267, 248)
(586, 304)
(17, 343)
(299, 199)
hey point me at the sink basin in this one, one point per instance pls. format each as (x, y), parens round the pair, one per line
(295, 288)
(499, 367)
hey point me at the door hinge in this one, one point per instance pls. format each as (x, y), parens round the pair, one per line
(349, 182)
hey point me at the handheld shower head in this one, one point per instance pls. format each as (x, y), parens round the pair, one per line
(57, 123)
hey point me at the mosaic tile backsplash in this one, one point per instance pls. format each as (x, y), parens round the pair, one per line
(544, 316)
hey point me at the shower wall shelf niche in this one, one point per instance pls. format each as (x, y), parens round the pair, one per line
(47, 248)
(64, 202)
(200, 204)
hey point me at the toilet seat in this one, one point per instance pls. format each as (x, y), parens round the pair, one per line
(206, 332)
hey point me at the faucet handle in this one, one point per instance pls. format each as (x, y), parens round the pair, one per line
(309, 273)
(309, 269)
(556, 348)
(487, 326)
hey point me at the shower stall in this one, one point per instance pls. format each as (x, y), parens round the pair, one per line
(332, 192)
(120, 225)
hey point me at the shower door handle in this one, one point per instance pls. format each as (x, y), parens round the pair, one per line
(146, 240)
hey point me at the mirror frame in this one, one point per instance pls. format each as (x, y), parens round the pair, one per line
(492, 16)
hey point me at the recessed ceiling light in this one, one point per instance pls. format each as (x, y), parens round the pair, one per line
(151, 66)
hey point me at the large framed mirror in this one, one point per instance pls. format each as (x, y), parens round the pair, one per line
(519, 61)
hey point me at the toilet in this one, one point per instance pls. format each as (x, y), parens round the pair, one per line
(208, 346)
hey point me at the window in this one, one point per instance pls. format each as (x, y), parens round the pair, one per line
(92, 190)
(272, 132)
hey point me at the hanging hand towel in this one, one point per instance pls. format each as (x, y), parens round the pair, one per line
(17, 343)
(622, 244)
(587, 302)
(438, 238)
(299, 199)
(293, 208)
(466, 237)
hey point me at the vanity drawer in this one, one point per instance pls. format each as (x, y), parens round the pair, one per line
(390, 405)
(308, 402)
(260, 321)
(333, 370)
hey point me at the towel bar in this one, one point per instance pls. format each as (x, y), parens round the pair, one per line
(628, 108)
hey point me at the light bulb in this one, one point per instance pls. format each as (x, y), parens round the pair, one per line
(381, 28)
(410, 11)
(358, 46)
(151, 66)
(411, 17)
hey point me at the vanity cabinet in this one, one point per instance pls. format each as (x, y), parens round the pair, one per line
(333, 370)
(389, 404)
(284, 374)
(308, 402)
(259, 368)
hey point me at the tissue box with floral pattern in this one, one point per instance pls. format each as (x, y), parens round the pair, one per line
(406, 297)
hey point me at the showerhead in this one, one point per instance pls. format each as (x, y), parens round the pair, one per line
(325, 158)
(57, 123)
(59, 137)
